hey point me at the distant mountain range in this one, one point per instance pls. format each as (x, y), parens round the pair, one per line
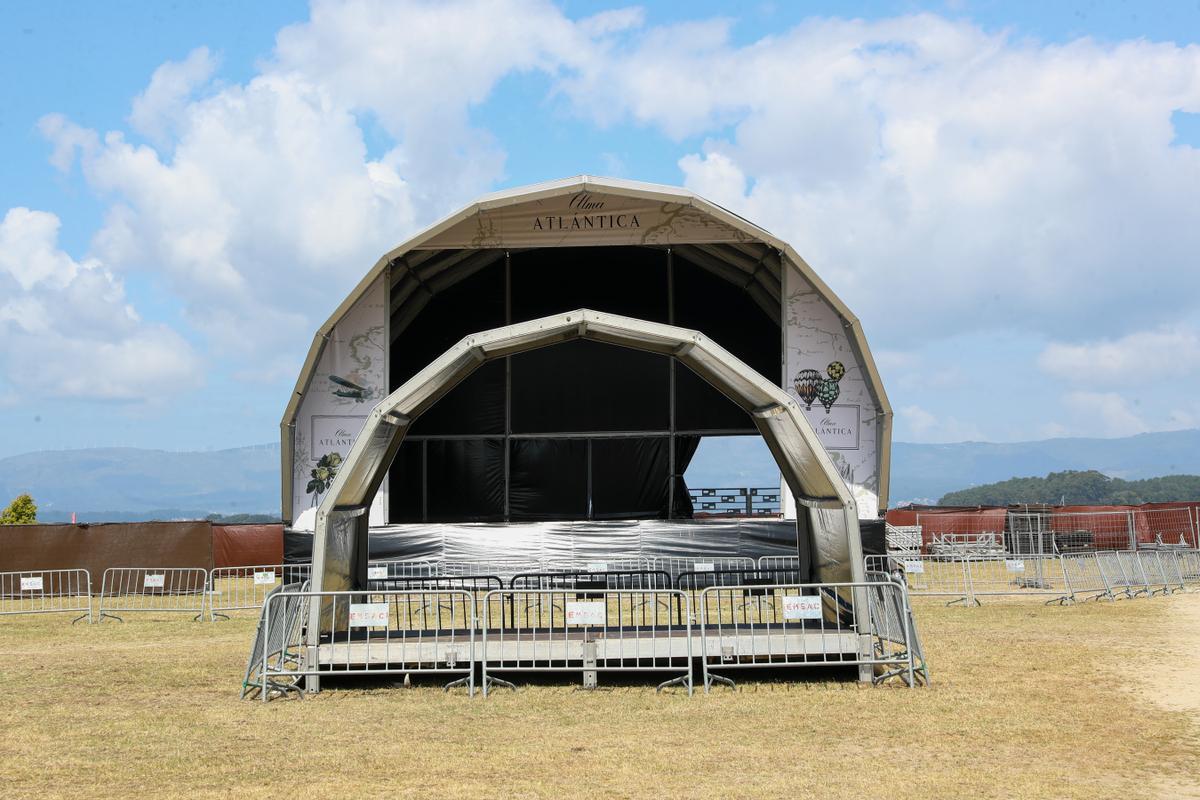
(119, 484)
(925, 472)
(122, 484)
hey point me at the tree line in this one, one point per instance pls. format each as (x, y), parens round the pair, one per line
(1072, 487)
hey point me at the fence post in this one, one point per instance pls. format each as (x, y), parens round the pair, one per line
(1132, 530)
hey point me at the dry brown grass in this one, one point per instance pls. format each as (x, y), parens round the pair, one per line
(1026, 702)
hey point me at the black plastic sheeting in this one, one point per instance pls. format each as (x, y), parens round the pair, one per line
(574, 541)
(574, 388)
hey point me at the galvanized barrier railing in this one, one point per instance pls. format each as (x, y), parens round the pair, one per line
(778, 562)
(47, 591)
(550, 630)
(1018, 576)
(277, 644)
(675, 565)
(382, 569)
(152, 589)
(631, 564)
(1065, 578)
(244, 588)
(927, 576)
(804, 625)
(443, 611)
(375, 633)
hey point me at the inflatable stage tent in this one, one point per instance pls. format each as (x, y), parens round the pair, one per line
(581, 430)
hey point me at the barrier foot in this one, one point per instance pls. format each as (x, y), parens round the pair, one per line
(682, 680)
(490, 680)
(1065, 600)
(970, 602)
(712, 678)
(88, 617)
(104, 614)
(463, 681)
(215, 614)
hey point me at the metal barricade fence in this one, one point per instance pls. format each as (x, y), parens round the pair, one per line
(1157, 572)
(549, 630)
(802, 625)
(284, 645)
(675, 565)
(1084, 531)
(244, 588)
(476, 585)
(1189, 566)
(1165, 526)
(1087, 579)
(374, 634)
(778, 562)
(926, 576)
(1020, 575)
(693, 583)
(903, 538)
(152, 589)
(1116, 571)
(898, 611)
(47, 591)
(616, 564)
(384, 569)
(504, 568)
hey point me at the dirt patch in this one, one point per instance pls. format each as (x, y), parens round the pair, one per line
(1173, 681)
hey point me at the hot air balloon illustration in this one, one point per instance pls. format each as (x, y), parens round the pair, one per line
(807, 382)
(828, 390)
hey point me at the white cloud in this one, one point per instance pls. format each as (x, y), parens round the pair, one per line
(163, 104)
(67, 330)
(916, 424)
(1164, 354)
(973, 180)
(1107, 412)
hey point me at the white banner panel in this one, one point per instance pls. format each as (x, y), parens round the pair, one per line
(155, 581)
(31, 584)
(350, 378)
(368, 615)
(1014, 565)
(377, 573)
(801, 606)
(264, 578)
(914, 567)
(583, 613)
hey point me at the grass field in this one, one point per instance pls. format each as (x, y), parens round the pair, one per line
(1027, 701)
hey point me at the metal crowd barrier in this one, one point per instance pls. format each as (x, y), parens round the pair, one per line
(243, 588)
(778, 562)
(550, 630)
(47, 591)
(282, 648)
(804, 625)
(1065, 578)
(373, 633)
(387, 569)
(926, 576)
(152, 589)
(675, 565)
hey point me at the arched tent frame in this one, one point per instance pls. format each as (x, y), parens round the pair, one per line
(744, 254)
(830, 524)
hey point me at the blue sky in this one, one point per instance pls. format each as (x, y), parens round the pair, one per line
(1005, 193)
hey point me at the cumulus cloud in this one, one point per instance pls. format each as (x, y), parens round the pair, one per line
(974, 180)
(1167, 352)
(924, 426)
(945, 180)
(1105, 412)
(67, 330)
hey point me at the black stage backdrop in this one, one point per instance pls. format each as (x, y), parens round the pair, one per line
(581, 430)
